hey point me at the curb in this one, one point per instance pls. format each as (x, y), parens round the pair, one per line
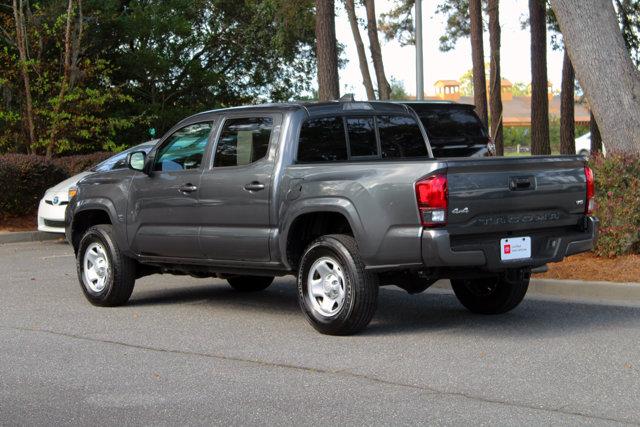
(27, 236)
(605, 292)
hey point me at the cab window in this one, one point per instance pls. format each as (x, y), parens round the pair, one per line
(243, 141)
(322, 140)
(184, 149)
(400, 137)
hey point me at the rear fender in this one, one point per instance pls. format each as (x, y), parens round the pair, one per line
(322, 204)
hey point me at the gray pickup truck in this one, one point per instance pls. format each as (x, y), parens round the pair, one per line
(345, 195)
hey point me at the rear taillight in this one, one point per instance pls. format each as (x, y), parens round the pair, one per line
(591, 191)
(432, 194)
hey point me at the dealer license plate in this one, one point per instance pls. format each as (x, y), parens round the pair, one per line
(515, 248)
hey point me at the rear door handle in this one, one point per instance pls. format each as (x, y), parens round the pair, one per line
(254, 186)
(188, 188)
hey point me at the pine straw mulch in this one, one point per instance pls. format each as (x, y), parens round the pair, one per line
(589, 267)
(23, 223)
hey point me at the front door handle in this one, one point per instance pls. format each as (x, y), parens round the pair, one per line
(254, 186)
(188, 188)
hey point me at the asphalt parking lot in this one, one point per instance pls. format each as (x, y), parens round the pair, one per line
(192, 351)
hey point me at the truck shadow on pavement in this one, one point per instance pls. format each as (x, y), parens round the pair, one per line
(400, 313)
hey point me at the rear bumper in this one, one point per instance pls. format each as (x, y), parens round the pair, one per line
(483, 252)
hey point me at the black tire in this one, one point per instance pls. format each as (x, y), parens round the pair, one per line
(493, 295)
(359, 287)
(120, 274)
(250, 283)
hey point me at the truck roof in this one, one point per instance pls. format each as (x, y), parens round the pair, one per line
(437, 104)
(314, 109)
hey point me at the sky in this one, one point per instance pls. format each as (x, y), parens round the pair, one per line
(400, 61)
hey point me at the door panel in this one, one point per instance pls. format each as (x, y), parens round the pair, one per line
(163, 213)
(235, 193)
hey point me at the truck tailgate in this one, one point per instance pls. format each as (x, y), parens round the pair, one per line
(505, 195)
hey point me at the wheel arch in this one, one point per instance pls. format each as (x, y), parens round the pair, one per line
(314, 217)
(91, 213)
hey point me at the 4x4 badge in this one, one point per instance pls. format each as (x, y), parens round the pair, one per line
(465, 210)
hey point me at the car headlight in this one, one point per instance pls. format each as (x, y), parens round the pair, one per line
(72, 192)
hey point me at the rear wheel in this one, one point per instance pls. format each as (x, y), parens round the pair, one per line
(106, 275)
(492, 295)
(250, 283)
(335, 292)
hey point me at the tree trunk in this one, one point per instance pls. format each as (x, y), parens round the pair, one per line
(326, 51)
(604, 68)
(477, 55)
(539, 82)
(495, 80)
(567, 105)
(362, 56)
(384, 90)
(21, 43)
(596, 139)
(64, 83)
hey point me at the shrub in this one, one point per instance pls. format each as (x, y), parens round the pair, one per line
(81, 162)
(24, 179)
(617, 180)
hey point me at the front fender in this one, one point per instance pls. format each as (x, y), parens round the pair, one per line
(77, 207)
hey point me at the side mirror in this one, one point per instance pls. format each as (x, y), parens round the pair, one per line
(136, 160)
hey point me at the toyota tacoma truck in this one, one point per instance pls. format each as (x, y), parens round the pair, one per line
(345, 195)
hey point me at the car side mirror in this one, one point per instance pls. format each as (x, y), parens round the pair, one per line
(136, 160)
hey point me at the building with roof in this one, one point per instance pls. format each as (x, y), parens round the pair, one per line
(516, 109)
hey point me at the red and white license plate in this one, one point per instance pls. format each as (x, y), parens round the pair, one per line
(515, 248)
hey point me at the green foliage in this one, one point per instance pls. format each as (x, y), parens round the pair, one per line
(149, 63)
(398, 23)
(522, 135)
(521, 89)
(178, 57)
(617, 180)
(398, 92)
(24, 179)
(466, 83)
(458, 22)
(73, 165)
(82, 118)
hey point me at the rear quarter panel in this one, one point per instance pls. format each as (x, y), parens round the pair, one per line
(378, 199)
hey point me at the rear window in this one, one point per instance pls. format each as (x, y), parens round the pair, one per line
(362, 136)
(400, 137)
(451, 123)
(367, 137)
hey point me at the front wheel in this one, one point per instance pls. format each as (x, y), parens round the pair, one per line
(335, 292)
(492, 295)
(106, 275)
